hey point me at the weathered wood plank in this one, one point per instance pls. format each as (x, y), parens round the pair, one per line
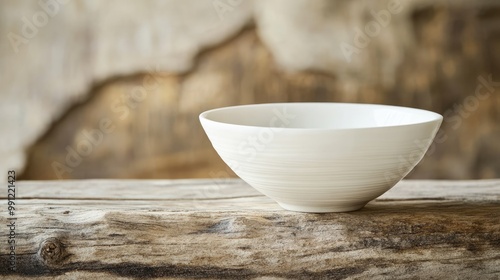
(178, 229)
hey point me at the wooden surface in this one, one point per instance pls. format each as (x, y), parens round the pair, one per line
(225, 229)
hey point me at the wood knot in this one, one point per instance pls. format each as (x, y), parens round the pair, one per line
(52, 251)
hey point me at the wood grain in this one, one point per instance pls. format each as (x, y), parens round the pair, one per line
(222, 230)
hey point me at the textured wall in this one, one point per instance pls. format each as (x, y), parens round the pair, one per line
(138, 72)
(52, 52)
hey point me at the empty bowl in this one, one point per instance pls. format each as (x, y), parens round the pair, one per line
(321, 157)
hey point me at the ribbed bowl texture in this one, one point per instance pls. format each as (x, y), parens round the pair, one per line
(321, 157)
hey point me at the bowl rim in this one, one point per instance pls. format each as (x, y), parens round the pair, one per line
(434, 117)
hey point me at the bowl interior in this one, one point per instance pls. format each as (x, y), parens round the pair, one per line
(319, 115)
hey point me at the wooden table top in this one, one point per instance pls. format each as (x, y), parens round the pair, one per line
(132, 229)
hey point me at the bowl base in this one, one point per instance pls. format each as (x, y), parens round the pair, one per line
(322, 209)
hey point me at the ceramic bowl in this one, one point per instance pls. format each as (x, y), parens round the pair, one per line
(321, 157)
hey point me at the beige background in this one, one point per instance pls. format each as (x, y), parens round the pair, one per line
(146, 69)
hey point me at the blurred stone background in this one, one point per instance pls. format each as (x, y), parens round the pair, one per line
(113, 89)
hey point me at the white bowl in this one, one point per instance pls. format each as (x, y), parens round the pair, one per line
(321, 157)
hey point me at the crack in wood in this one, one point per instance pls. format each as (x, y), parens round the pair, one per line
(137, 270)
